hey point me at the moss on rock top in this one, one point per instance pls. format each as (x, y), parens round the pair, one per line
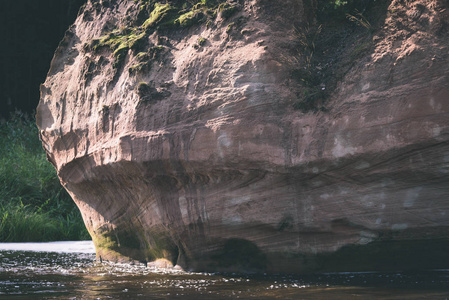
(154, 15)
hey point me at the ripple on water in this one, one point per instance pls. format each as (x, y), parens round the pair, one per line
(79, 276)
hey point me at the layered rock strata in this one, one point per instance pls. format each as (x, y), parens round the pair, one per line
(182, 142)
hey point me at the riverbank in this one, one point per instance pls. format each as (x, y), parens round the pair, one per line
(34, 207)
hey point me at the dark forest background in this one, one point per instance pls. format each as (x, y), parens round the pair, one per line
(34, 207)
(30, 31)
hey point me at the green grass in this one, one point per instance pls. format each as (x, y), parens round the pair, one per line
(33, 204)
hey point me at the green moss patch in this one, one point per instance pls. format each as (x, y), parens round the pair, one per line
(105, 239)
(144, 59)
(173, 14)
(190, 18)
(153, 15)
(201, 41)
(226, 10)
(120, 42)
(160, 246)
(162, 14)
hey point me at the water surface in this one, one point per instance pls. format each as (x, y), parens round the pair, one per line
(68, 270)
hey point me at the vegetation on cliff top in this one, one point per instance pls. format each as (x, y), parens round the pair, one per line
(155, 15)
(314, 67)
(34, 207)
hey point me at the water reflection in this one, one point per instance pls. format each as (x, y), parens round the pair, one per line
(50, 275)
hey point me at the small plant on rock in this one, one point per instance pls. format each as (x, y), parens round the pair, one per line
(201, 41)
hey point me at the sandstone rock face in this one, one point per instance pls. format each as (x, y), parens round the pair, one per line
(207, 164)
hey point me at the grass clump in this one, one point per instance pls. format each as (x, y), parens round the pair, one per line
(338, 10)
(360, 49)
(348, 26)
(306, 71)
(34, 207)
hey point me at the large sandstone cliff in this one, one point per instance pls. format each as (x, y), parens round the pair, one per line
(177, 136)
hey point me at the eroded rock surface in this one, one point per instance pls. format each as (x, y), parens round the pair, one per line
(186, 146)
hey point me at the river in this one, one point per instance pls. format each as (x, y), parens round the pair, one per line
(68, 270)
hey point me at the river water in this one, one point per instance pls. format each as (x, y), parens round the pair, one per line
(68, 270)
